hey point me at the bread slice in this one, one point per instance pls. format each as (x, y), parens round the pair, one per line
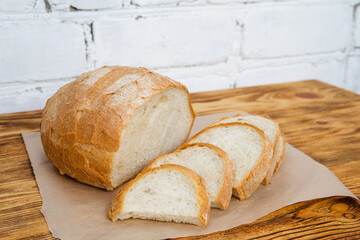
(166, 193)
(268, 126)
(100, 128)
(209, 162)
(249, 149)
(280, 151)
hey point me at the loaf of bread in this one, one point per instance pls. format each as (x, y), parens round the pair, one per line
(249, 149)
(166, 193)
(209, 162)
(107, 125)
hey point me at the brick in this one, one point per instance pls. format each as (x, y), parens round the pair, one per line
(41, 50)
(155, 2)
(285, 31)
(17, 5)
(20, 97)
(353, 74)
(235, 1)
(59, 5)
(207, 83)
(357, 26)
(332, 72)
(164, 41)
(202, 78)
(95, 4)
(145, 3)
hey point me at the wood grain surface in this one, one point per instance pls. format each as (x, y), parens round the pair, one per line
(321, 120)
(327, 218)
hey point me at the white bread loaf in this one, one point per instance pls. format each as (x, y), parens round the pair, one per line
(106, 126)
(268, 126)
(209, 162)
(249, 149)
(166, 193)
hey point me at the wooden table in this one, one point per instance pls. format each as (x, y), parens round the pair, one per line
(319, 119)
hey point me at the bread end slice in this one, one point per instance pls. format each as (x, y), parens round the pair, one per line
(166, 193)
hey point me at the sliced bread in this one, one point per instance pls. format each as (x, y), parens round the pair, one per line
(211, 163)
(166, 193)
(249, 149)
(268, 126)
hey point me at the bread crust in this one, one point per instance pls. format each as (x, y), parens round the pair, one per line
(270, 172)
(225, 193)
(202, 196)
(83, 123)
(256, 175)
(224, 196)
(254, 178)
(274, 162)
(278, 163)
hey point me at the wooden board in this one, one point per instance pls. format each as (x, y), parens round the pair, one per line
(327, 218)
(321, 120)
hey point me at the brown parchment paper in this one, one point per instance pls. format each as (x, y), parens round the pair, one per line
(74, 210)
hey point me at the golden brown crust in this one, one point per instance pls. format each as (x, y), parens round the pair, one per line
(225, 192)
(278, 163)
(83, 122)
(223, 118)
(270, 172)
(239, 115)
(202, 196)
(274, 161)
(224, 196)
(252, 181)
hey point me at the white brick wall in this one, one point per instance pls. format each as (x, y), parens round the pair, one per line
(328, 71)
(14, 6)
(357, 26)
(206, 44)
(202, 78)
(166, 41)
(22, 96)
(95, 4)
(353, 73)
(37, 50)
(158, 2)
(288, 31)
